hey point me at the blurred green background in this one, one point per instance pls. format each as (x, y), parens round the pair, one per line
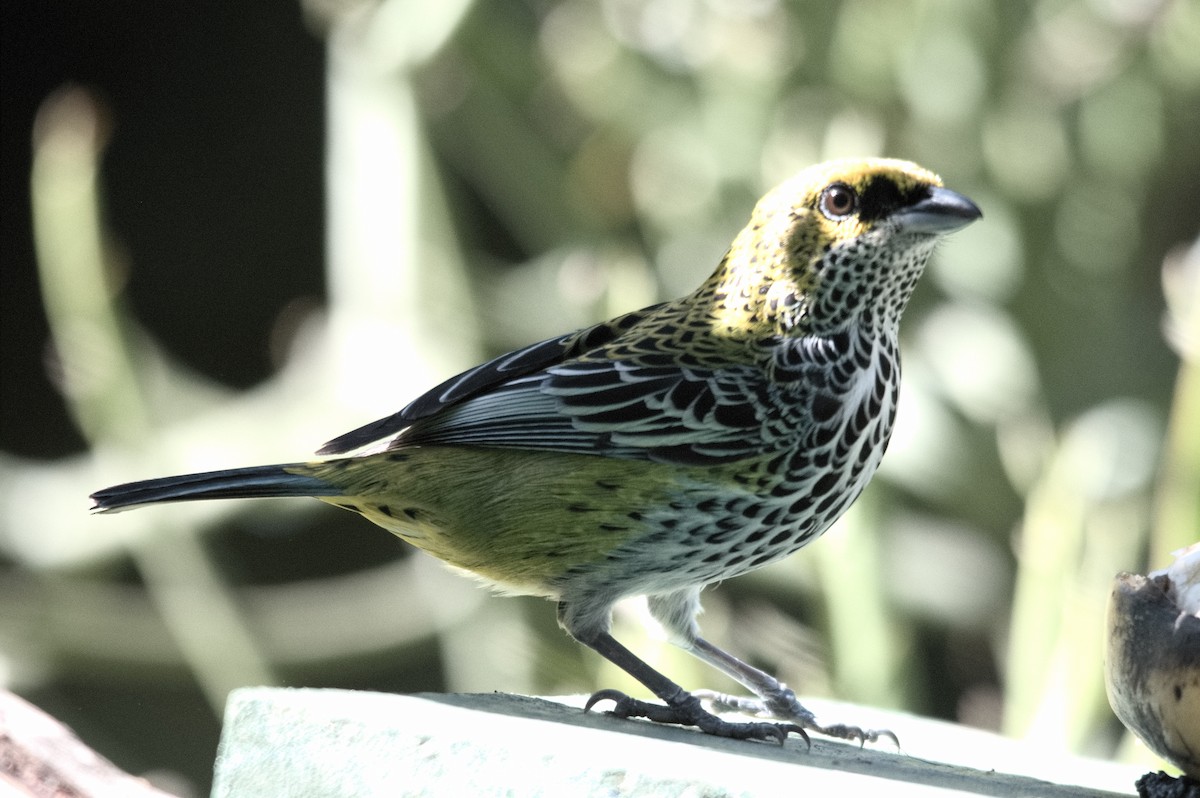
(232, 231)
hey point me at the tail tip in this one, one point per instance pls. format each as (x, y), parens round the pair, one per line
(100, 504)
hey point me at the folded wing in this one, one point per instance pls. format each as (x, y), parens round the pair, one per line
(618, 389)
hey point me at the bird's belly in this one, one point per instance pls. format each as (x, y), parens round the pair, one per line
(533, 522)
(726, 521)
(520, 520)
(707, 535)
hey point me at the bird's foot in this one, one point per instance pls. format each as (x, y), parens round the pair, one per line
(686, 710)
(786, 707)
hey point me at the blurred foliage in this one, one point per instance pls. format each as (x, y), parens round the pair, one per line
(501, 172)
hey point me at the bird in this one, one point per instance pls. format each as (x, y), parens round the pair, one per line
(1152, 661)
(663, 450)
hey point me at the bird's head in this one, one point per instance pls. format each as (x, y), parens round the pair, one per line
(841, 243)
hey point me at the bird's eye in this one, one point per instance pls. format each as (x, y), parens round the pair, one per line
(838, 201)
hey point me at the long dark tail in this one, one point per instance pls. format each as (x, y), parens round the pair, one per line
(236, 483)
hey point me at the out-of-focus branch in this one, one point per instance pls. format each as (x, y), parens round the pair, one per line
(116, 628)
(1178, 507)
(400, 316)
(1084, 518)
(103, 389)
(401, 311)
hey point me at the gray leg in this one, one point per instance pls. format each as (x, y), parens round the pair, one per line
(681, 707)
(677, 613)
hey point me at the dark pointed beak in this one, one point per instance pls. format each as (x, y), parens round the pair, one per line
(942, 211)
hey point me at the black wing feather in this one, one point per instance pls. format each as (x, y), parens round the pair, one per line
(486, 377)
(641, 396)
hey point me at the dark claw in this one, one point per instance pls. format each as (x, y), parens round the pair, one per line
(616, 696)
(852, 733)
(689, 712)
(787, 707)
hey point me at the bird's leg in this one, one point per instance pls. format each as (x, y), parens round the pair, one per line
(775, 699)
(677, 611)
(681, 707)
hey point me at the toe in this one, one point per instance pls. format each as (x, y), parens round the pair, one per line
(616, 696)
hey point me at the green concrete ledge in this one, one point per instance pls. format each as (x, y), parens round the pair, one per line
(346, 744)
